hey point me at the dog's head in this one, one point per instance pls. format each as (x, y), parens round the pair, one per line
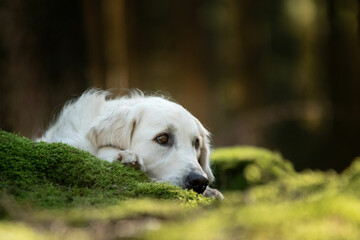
(172, 143)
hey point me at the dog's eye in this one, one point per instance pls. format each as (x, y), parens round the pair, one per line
(197, 144)
(162, 139)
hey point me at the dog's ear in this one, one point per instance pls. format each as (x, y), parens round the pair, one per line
(204, 158)
(205, 152)
(114, 129)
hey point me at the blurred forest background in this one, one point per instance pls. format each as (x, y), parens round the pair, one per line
(281, 74)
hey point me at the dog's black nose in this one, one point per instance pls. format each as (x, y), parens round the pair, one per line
(196, 182)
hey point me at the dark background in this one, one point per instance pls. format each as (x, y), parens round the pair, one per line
(281, 74)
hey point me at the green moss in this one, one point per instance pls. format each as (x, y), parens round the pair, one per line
(307, 205)
(128, 209)
(13, 231)
(237, 168)
(54, 191)
(352, 176)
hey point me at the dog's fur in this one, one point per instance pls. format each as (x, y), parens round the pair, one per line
(127, 129)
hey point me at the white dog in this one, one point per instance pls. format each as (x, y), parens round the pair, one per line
(154, 134)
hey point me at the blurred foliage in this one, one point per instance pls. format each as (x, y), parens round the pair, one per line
(238, 168)
(307, 205)
(279, 74)
(99, 200)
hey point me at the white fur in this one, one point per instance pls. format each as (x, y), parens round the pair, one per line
(126, 128)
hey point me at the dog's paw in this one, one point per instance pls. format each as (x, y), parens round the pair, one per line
(130, 159)
(213, 193)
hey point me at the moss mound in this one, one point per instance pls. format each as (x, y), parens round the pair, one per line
(238, 168)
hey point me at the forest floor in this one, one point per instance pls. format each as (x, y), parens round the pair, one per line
(54, 191)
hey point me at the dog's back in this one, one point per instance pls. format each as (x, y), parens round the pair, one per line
(75, 120)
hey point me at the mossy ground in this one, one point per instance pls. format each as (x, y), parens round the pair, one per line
(54, 191)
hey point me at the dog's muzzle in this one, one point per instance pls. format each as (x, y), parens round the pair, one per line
(196, 182)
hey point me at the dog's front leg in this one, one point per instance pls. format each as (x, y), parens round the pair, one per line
(126, 157)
